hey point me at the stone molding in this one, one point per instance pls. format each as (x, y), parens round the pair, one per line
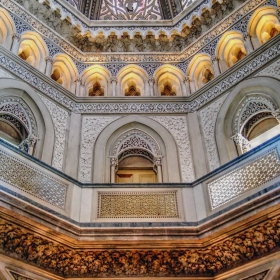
(273, 70)
(246, 243)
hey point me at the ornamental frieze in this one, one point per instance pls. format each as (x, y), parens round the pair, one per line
(244, 246)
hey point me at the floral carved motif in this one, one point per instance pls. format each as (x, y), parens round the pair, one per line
(208, 121)
(245, 246)
(177, 126)
(60, 120)
(91, 128)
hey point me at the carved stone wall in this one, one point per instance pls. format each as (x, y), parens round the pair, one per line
(91, 128)
(258, 276)
(60, 121)
(208, 117)
(31, 180)
(119, 205)
(177, 126)
(273, 70)
(244, 178)
(5, 74)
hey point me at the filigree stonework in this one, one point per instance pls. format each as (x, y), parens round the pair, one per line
(245, 178)
(60, 121)
(120, 205)
(31, 180)
(208, 117)
(177, 126)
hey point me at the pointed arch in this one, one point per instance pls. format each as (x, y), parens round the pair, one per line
(33, 50)
(7, 29)
(64, 71)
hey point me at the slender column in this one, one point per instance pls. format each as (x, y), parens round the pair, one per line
(216, 67)
(114, 164)
(49, 64)
(114, 86)
(158, 165)
(78, 82)
(15, 45)
(248, 43)
(276, 114)
(186, 89)
(151, 86)
(242, 144)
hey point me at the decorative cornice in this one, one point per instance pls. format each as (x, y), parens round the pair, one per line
(241, 243)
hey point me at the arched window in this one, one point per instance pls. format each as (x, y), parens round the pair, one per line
(167, 91)
(96, 90)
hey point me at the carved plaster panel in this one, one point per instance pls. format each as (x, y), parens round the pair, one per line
(91, 128)
(60, 121)
(273, 70)
(177, 126)
(208, 117)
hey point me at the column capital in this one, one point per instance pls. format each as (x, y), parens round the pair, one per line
(186, 79)
(16, 36)
(113, 79)
(246, 35)
(113, 161)
(78, 80)
(49, 59)
(240, 140)
(151, 80)
(214, 58)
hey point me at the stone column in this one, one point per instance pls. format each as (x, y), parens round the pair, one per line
(276, 114)
(78, 82)
(216, 67)
(242, 144)
(15, 44)
(49, 64)
(151, 82)
(114, 86)
(113, 164)
(186, 89)
(158, 165)
(248, 43)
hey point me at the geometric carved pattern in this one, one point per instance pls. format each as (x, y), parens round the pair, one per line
(208, 117)
(91, 128)
(60, 121)
(177, 126)
(120, 205)
(131, 10)
(32, 180)
(244, 178)
(259, 276)
(273, 70)
(230, 251)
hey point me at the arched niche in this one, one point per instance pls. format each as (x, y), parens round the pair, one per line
(132, 80)
(168, 81)
(33, 50)
(200, 71)
(263, 25)
(64, 72)
(261, 96)
(230, 49)
(95, 81)
(39, 119)
(7, 29)
(108, 137)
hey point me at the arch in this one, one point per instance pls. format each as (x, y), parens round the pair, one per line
(232, 116)
(263, 25)
(108, 137)
(169, 76)
(20, 93)
(7, 29)
(230, 49)
(33, 50)
(132, 79)
(64, 71)
(93, 75)
(200, 71)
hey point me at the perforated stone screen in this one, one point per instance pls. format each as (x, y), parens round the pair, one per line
(138, 205)
(244, 178)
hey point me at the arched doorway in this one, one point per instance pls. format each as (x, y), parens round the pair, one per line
(135, 158)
